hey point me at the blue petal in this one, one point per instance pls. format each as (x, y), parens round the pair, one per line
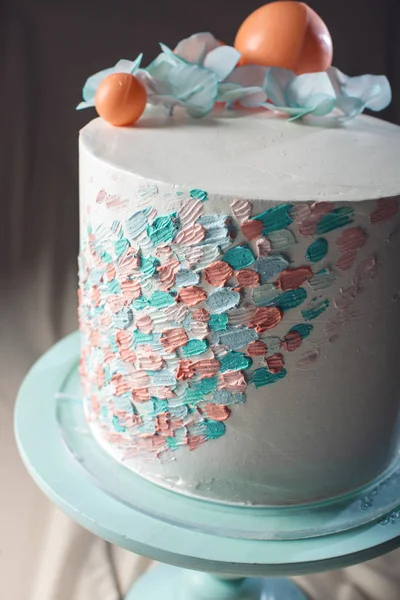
(275, 84)
(222, 61)
(251, 97)
(309, 90)
(128, 66)
(91, 85)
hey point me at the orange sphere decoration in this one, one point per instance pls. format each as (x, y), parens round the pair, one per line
(285, 34)
(120, 99)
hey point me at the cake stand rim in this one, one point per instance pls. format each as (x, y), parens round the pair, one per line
(48, 462)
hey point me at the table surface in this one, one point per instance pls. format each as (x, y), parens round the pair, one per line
(61, 477)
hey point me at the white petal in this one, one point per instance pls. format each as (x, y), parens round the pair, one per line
(222, 61)
(194, 48)
(248, 75)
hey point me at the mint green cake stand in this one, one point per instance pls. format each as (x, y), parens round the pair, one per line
(212, 551)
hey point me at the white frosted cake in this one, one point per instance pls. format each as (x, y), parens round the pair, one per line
(239, 302)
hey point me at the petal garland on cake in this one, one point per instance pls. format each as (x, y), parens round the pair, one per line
(202, 71)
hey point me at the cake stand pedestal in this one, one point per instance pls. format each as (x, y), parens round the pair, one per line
(213, 552)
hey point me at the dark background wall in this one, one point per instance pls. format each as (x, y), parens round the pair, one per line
(48, 48)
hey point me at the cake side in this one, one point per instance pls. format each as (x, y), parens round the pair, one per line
(237, 349)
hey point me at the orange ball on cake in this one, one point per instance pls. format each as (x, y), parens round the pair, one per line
(285, 34)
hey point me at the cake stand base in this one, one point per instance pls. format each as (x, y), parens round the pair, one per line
(170, 583)
(218, 552)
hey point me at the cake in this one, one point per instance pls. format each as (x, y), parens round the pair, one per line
(239, 301)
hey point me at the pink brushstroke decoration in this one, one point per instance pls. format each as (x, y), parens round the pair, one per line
(207, 367)
(247, 278)
(172, 339)
(192, 295)
(190, 212)
(127, 355)
(366, 270)
(292, 341)
(257, 348)
(201, 315)
(139, 379)
(199, 330)
(163, 392)
(386, 209)
(120, 385)
(308, 225)
(252, 229)
(167, 273)
(130, 290)
(300, 212)
(275, 363)
(218, 273)
(185, 370)
(291, 279)
(265, 318)
(111, 201)
(149, 360)
(191, 236)
(144, 323)
(193, 255)
(234, 381)
(124, 338)
(346, 260)
(241, 209)
(141, 395)
(352, 239)
(217, 412)
(263, 247)
(163, 251)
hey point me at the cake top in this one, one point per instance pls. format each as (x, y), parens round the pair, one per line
(254, 155)
(281, 61)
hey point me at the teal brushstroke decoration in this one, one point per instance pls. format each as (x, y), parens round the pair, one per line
(304, 329)
(113, 287)
(199, 195)
(208, 385)
(117, 425)
(222, 299)
(323, 279)
(163, 229)
(148, 266)
(338, 217)
(262, 376)
(291, 299)
(142, 338)
(121, 245)
(239, 257)
(238, 338)
(266, 295)
(218, 322)
(161, 299)
(235, 361)
(317, 250)
(214, 429)
(315, 308)
(270, 267)
(194, 347)
(275, 218)
(136, 224)
(227, 397)
(281, 240)
(140, 303)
